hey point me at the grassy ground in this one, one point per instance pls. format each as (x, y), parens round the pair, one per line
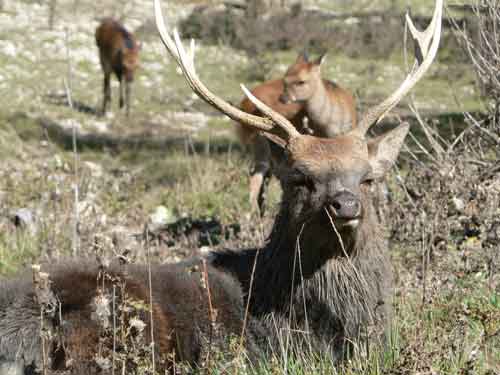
(176, 152)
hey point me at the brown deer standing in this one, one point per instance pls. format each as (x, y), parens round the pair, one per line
(119, 54)
(323, 276)
(269, 93)
(330, 110)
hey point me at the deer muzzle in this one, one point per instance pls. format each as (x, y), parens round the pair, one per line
(345, 208)
(286, 98)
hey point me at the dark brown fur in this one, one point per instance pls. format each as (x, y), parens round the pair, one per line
(119, 54)
(182, 325)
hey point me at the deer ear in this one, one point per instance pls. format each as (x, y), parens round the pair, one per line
(321, 59)
(384, 149)
(303, 57)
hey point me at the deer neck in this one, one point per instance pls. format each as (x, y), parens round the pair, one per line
(296, 252)
(326, 115)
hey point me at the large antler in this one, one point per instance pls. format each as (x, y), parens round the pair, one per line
(186, 63)
(426, 46)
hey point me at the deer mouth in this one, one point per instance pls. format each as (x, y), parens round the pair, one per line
(348, 221)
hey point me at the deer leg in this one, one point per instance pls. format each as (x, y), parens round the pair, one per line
(120, 78)
(106, 92)
(127, 96)
(260, 174)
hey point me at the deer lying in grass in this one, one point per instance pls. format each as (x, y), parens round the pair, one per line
(84, 302)
(119, 54)
(330, 110)
(323, 275)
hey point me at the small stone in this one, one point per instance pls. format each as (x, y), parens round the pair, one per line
(94, 168)
(101, 126)
(137, 323)
(104, 363)
(205, 250)
(160, 217)
(458, 204)
(24, 218)
(58, 163)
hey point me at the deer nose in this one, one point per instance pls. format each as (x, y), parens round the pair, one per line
(346, 206)
(284, 98)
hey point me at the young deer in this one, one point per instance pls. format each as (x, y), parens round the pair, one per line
(119, 54)
(270, 93)
(323, 276)
(330, 110)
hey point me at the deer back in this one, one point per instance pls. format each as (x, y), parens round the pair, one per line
(118, 48)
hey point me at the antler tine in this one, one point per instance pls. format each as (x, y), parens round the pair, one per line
(186, 63)
(162, 29)
(427, 43)
(277, 118)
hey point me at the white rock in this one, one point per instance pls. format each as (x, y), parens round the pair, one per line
(161, 216)
(58, 163)
(24, 218)
(101, 126)
(205, 249)
(94, 168)
(458, 204)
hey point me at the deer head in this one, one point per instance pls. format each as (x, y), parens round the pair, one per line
(302, 79)
(324, 179)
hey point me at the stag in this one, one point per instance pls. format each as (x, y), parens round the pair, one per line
(323, 274)
(302, 92)
(119, 54)
(326, 250)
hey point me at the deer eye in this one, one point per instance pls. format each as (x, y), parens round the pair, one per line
(300, 179)
(300, 83)
(367, 179)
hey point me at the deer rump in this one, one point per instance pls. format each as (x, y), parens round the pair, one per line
(80, 319)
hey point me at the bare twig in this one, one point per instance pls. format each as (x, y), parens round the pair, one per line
(247, 307)
(150, 285)
(212, 314)
(68, 80)
(47, 302)
(114, 331)
(76, 218)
